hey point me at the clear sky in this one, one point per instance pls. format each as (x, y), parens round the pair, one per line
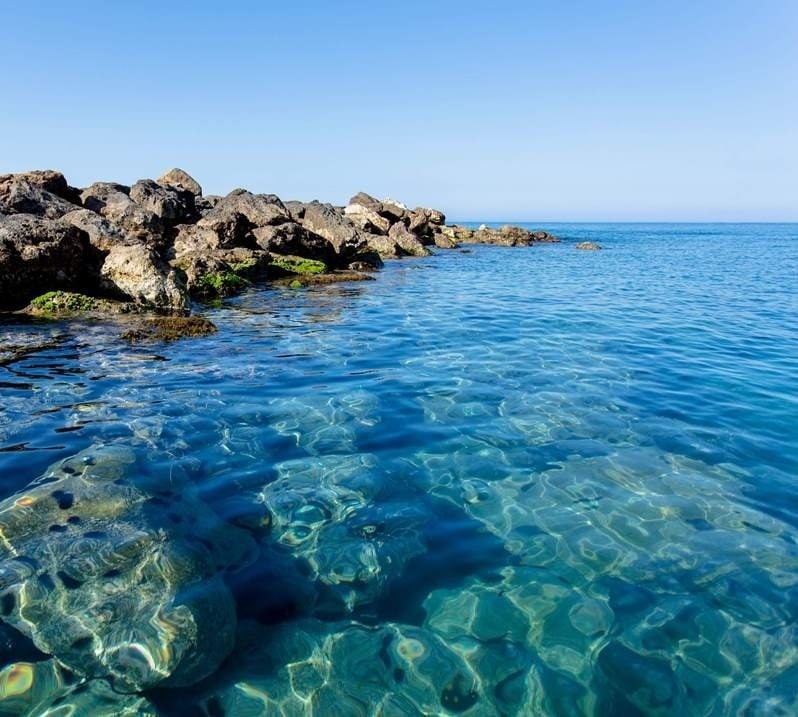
(611, 110)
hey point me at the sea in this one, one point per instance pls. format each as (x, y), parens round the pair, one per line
(491, 481)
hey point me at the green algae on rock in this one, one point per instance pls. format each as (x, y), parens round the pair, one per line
(63, 302)
(170, 328)
(221, 285)
(286, 264)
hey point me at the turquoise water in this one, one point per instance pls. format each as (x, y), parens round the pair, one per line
(505, 482)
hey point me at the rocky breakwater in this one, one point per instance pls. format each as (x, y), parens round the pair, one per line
(158, 244)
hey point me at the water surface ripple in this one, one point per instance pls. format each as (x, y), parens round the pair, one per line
(505, 482)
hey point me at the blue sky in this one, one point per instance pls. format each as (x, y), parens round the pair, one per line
(505, 110)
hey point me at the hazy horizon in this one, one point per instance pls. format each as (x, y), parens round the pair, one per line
(669, 112)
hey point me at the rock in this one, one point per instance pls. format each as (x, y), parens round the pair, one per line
(324, 220)
(393, 210)
(137, 273)
(114, 203)
(68, 304)
(44, 193)
(289, 265)
(443, 240)
(95, 571)
(46, 688)
(293, 238)
(180, 180)
(260, 210)
(408, 243)
(103, 235)
(38, 255)
(204, 205)
(367, 219)
(170, 328)
(171, 205)
(588, 246)
(333, 277)
(505, 236)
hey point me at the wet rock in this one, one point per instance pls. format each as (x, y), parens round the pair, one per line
(180, 180)
(137, 273)
(169, 328)
(504, 236)
(46, 688)
(408, 243)
(333, 277)
(588, 246)
(443, 240)
(286, 265)
(38, 255)
(111, 576)
(68, 303)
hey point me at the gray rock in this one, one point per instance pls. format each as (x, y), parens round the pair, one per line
(588, 246)
(509, 236)
(114, 203)
(38, 255)
(43, 193)
(367, 219)
(332, 225)
(102, 234)
(260, 210)
(171, 205)
(293, 238)
(137, 273)
(408, 242)
(180, 180)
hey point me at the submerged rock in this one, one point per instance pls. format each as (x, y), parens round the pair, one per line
(588, 246)
(118, 580)
(45, 688)
(169, 328)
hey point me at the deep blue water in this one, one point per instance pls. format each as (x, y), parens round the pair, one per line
(513, 481)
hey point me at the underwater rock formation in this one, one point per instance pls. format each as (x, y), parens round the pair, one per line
(115, 579)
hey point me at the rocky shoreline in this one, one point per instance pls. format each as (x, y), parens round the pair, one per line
(159, 245)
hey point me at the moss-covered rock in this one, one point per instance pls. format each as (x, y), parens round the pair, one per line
(169, 328)
(286, 265)
(222, 284)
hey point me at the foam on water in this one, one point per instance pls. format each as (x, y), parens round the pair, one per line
(517, 481)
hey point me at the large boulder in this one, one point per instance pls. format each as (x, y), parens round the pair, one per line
(137, 273)
(389, 209)
(367, 219)
(102, 234)
(293, 238)
(114, 203)
(38, 255)
(332, 225)
(181, 181)
(117, 575)
(171, 205)
(408, 242)
(260, 210)
(44, 193)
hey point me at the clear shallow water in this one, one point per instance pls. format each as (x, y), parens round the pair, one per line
(512, 481)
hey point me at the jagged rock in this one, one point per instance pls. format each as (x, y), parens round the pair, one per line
(114, 203)
(409, 244)
(504, 236)
(332, 225)
(102, 234)
(204, 205)
(588, 246)
(44, 193)
(293, 238)
(38, 255)
(181, 180)
(137, 273)
(367, 219)
(443, 240)
(260, 210)
(171, 205)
